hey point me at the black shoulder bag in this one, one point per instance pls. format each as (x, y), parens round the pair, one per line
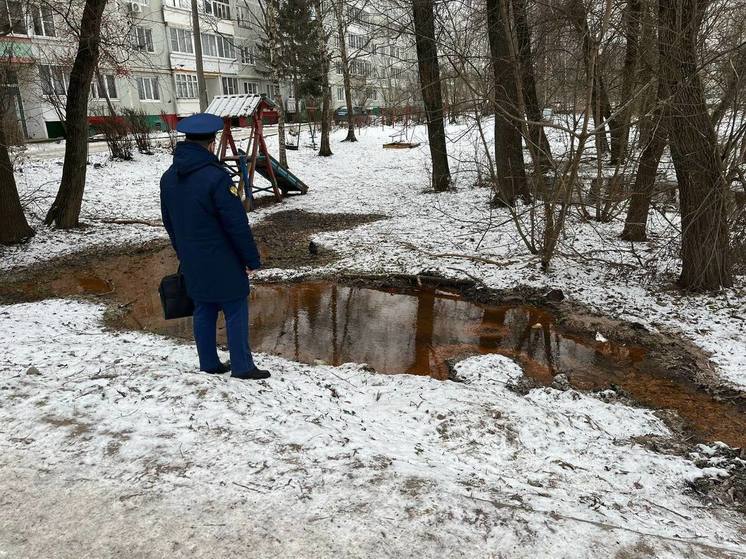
(175, 300)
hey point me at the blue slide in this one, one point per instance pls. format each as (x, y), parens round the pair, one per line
(287, 182)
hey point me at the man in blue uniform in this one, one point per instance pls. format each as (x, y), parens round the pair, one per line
(210, 233)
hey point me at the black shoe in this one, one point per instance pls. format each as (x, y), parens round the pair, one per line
(224, 368)
(255, 374)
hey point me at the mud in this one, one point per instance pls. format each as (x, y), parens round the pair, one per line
(425, 325)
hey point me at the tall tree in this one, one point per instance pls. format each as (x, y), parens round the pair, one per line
(345, 66)
(13, 225)
(199, 63)
(322, 37)
(600, 95)
(509, 163)
(65, 210)
(655, 138)
(429, 69)
(696, 156)
(534, 111)
(620, 124)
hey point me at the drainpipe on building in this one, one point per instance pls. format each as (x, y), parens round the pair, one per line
(201, 85)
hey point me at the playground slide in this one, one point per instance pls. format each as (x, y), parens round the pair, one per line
(286, 181)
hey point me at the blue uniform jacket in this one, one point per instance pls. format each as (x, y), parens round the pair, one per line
(207, 225)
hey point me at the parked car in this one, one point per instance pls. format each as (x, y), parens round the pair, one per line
(340, 114)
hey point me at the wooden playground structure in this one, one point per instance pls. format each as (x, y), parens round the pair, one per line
(243, 165)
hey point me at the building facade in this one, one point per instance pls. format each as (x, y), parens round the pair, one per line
(148, 62)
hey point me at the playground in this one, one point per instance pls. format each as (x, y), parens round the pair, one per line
(105, 419)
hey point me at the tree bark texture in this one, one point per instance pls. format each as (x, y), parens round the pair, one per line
(509, 164)
(600, 96)
(325, 149)
(65, 210)
(13, 225)
(696, 156)
(427, 61)
(534, 111)
(339, 12)
(635, 226)
(620, 124)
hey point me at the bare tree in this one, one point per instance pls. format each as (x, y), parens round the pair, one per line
(65, 210)
(13, 225)
(325, 149)
(509, 163)
(694, 147)
(427, 60)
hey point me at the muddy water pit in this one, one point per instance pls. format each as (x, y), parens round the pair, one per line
(404, 330)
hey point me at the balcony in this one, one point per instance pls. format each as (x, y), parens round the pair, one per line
(220, 10)
(16, 50)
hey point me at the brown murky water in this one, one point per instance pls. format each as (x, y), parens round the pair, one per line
(410, 331)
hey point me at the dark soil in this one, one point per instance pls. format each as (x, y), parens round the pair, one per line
(284, 238)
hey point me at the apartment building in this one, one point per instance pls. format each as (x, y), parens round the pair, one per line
(382, 58)
(155, 70)
(151, 65)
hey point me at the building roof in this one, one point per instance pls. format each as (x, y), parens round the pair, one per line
(244, 104)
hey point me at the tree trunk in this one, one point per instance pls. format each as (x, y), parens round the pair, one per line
(65, 210)
(599, 97)
(534, 111)
(702, 187)
(509, 164)
(620, 124)
(635, 226)
(282, 151)
(345, 65)
(733, 86)
(13, 225)
(429, 69)
(325, 149)
(199, 65)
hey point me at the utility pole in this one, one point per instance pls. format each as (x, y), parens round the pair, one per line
(201, 86)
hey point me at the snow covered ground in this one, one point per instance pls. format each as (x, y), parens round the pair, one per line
(364, 178)
(110, 445)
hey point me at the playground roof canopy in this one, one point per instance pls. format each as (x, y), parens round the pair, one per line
(232, 106)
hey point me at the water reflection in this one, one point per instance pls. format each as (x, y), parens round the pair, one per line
(405, 331)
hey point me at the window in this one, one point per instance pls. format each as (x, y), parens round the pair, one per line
(53, 79)
(147, 88)
(371, 93)
(272, 90)
(11, 17)
(340, 94)
(181, 40)
(219, 9)
(186, 86)
(244, 16)
(396, 72)
(41, 17)
(230, 86)
(186, 4)
(217, 45)
(250, 88)
(338, 67)
(141, 38)
(360, 68)
(247, 55)
(394, 51)
(104, 86)
(357, 41)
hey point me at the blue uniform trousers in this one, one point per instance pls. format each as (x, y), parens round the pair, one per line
(236, 314)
